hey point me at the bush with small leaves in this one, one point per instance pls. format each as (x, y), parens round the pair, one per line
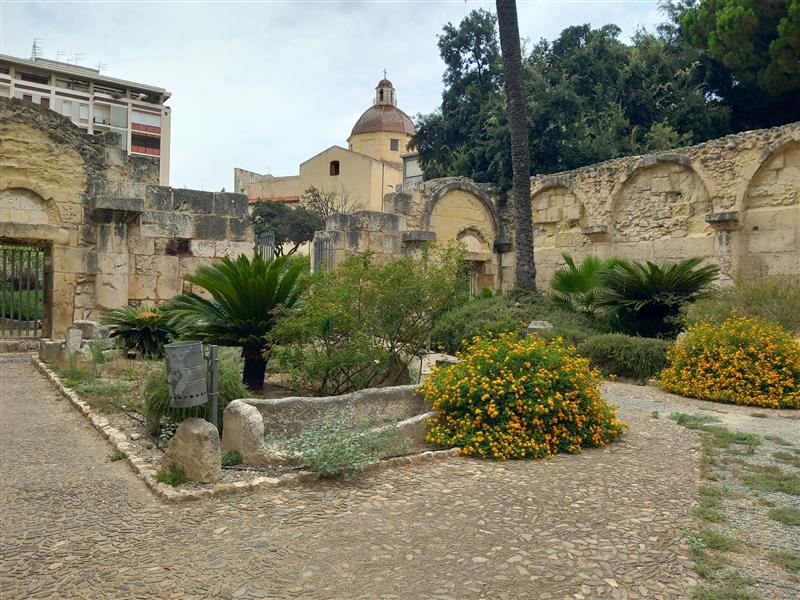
(172, 475)
(231, 458)
(626, 356)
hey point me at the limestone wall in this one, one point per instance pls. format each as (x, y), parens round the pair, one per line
(111, 235)
(734, 201)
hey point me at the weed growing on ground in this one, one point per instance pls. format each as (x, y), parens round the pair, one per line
(786, 559)
(772, 479)
(757, 415)
(231, 458)
(730, 588)
(710, 508)
(776, 439)
(655, 414)
(173, 475)
(116, 455)
(790, 458)
(788, 515)
(695, 421)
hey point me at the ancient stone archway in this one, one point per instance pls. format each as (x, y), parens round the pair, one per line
(770, 221)
(468, 190)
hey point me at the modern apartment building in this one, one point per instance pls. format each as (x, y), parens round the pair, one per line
(95, 103)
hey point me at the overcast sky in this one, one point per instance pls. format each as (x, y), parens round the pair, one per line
(266, 85)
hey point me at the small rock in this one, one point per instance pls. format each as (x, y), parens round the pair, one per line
(195, 448)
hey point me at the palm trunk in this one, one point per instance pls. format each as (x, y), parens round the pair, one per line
(255, 366)
(520, 152)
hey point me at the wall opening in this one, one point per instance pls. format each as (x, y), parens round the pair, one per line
(334, 168)
(22, 291)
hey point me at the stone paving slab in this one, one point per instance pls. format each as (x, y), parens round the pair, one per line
(607, 523)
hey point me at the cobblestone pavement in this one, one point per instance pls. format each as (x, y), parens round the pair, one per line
(607, 523)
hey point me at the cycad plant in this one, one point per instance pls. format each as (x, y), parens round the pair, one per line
(575, 286)
(143, 329)
(645, 298)
(247, 296)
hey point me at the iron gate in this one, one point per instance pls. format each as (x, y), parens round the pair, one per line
(265, 245)
(21, 291)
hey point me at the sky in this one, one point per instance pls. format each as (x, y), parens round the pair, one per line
(265, 85)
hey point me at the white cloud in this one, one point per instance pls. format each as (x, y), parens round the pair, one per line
(266, 85)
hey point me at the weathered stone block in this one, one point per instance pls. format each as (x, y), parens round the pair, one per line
(166, 266)
(239, 229)
(158, 198)
(140, 245)
(203, 248)
(74, 339)
(92, 330)
(50, 350)
(168, 287)
(195, 448)
(234, 205)
(167, 224)
(243, 431)
(193, 201)
(211, 227)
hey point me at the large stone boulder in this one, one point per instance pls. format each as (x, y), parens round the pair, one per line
(195, 448)
(243, 431)
(91, 330)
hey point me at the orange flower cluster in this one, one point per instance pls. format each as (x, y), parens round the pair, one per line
(519, 397)
(741, 361)
(147, 314)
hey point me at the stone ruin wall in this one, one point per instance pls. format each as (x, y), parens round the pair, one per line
(112, 236)
(440, 210)
(734, 201)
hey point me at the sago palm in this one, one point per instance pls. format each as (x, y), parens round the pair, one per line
(575, 286)
(247, 296)
(646, 298)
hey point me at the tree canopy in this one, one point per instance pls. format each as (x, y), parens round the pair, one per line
(292, 226)
(592, 97)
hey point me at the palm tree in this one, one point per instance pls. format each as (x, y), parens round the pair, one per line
(575, 286)
(247, 296)
(645, 298)
(520, 153)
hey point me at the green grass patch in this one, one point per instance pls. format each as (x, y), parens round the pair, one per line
(786, 559)
(772, 479)
(173, 475)
(776, 439)
(692, 421)
(231, 458)
(710, 508)
(758, 415)
(724, 437)
(790, 458)
(733, 588)
(788, 515)
(116, 455)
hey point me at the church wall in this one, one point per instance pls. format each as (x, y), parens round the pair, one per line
(377, 145)
(734, 201)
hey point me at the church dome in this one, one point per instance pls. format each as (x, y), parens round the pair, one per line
(384, 115)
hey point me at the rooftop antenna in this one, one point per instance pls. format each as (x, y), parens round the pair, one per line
(59, 54)
(101, 66)
(36, 49)
(78, 58)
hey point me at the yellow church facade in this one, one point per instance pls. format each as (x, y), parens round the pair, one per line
(370, 167)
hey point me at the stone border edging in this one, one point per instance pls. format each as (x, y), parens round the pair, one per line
(168, 493)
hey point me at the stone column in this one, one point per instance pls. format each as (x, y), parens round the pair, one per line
(111, 217)
(724, 225)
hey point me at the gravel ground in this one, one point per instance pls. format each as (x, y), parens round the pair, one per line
(607, 523)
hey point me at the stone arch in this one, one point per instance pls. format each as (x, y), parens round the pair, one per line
(471, 188)
(663, 196)
(559, 213)
(25, 202)
(475, 241)
(770, 219)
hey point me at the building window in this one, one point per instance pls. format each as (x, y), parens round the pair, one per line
(334, 170)
(394, 145)
(45, 102)
(35, 78)
(27, 97)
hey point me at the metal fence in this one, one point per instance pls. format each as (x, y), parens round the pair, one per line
(321, 254)
(21, 291)
(265, 245)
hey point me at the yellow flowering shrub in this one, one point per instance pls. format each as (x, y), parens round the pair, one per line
(519, 397)
(740, 361)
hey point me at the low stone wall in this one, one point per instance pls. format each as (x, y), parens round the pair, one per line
(373, 407)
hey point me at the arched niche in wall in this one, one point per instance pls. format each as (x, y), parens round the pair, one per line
(661, 198)
(770, 232)
(25, 206)
(558, 216)
(461, 206)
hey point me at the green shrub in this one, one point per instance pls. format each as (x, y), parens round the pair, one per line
(515, 397)
(116, 455)
(626, 356)
(645, 299)
(247, 297)
(775, 299)
(361, 324)
(337, 448)
(231, 458)
(173, 475)
(508, 313)
(574, 287)
(143, 329)
(156, 399)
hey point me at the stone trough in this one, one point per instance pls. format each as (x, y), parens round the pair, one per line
(249, 423)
